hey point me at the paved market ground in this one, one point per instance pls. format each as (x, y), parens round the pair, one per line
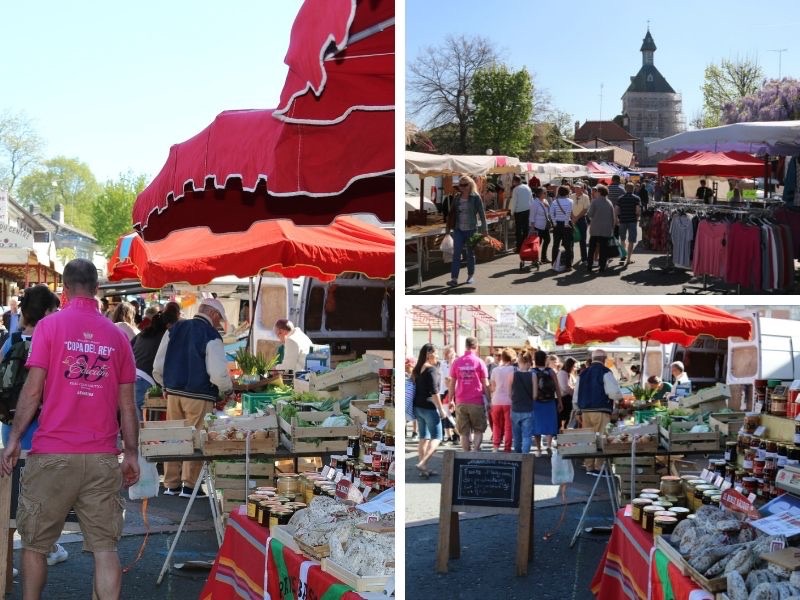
(648, 274)
(73, 578)
(486, 567)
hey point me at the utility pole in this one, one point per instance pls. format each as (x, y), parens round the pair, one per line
(780, 52)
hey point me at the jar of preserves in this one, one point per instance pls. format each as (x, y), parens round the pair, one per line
(772, 449)
(762, 449)
(638, 505)
(289, 484)
(376, 461)
(793, 457)
(731, 451)
(353, 445)
(797, 433)
(744, 441)
(730, 473)
(670, 485)
(758, 467)
(655, 491)
(750, 485)
(664, 525)
(783, 455)
(369, 478)
(390, 440)
(386, 460)
(648, 515)
(738, 476)
(749, 457)
(751, 422)
(681, 512)
(770, 469)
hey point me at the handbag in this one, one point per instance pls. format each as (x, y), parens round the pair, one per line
(623, 253)
(147, 485)
(531, 248)
(612, 251)
(576, 234)
(447, 248)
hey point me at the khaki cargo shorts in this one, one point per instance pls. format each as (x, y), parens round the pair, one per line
(52, 484)
(469, 418)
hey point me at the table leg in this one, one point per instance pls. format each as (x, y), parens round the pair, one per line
(200, 479)
(419, 263)
(215, 513)
(612, 489)
(602, 474)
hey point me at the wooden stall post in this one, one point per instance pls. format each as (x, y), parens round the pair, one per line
(478, 482)
(5, 518)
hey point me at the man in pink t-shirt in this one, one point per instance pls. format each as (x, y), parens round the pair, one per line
(468, 384)
(81, 372)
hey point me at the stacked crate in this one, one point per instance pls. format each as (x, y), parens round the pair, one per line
(229, 480)
(645, 470)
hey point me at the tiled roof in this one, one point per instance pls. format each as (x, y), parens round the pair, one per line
(648, 79)
(605, 130)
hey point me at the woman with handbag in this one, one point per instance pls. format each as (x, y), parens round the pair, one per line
(427, 407)
(602, 221)
(561, 215)
(462, 223)
(540, 220)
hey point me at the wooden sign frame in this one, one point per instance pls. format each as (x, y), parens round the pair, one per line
(449, 541)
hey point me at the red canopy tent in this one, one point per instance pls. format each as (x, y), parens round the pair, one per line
(720, 164)
(198, 255)
(665, 324)
(328, 150)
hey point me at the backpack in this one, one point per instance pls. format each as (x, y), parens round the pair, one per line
(545, 386)
(12, 376)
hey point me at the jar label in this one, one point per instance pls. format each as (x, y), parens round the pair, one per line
(728, 455)
(748, 464)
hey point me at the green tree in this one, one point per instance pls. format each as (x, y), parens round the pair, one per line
(20, 148)
(65, 254)
(65, 181)
(111, 215)
(440, 80)
(726, 83)
(503, 109)
(546, 315)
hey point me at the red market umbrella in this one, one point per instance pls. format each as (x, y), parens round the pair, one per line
(720, 164)
(328, 151)
(197, 255)
(665, 324)
(341, 59)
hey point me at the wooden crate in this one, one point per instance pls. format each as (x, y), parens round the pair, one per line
(325, 439)
(285, 535)
(366, 368)
(257, 469)
(719, 584)
(358, 583)
(640, 461)
(238, 483)
(577, 441)
(679, 438)
(268, 445)
(155, 402)
(728, 424)
(358, 410)
(166, 438)
(228, 506)
(624, 449)
(664, 543)
(315, 552)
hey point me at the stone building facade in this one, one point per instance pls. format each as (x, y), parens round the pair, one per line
(651, 107)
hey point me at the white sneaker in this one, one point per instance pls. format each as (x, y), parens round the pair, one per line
(60, 555)
(14, 571)
(471, 280)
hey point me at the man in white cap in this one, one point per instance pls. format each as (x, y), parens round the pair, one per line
(192, 368)
(296, 346)
(595, 393)
(679, 372)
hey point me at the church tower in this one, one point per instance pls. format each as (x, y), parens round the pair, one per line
(653, 109)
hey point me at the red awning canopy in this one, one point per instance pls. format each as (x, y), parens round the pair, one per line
(719, 164)
(327, 151)
(665, 324)
(341, 59)
(198, 255)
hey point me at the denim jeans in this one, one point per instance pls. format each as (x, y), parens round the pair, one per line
(522, 430)
(139, 392)
(460, 245)
(584, 243)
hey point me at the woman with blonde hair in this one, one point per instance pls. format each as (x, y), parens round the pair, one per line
(123, 318)
(462, 223)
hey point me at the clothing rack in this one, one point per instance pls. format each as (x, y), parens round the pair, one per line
(701, 209)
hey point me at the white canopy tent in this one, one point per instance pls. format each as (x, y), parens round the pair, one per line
(776, 138)
(435, 165)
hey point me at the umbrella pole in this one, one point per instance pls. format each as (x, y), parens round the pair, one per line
(250, 290)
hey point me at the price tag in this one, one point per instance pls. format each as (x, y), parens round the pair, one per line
(760, 431)
(350, 451)
(339, 476)
(326, 471)
(726, 485)
(357, 482)
(704, 474)
(718, 481)
(739, 489)
(382, 424)
(366, 492)
(751, 498)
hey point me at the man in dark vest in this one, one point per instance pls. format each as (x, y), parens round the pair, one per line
(595, 393)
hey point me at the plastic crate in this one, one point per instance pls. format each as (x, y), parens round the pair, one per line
(644, 416)
(255, 401)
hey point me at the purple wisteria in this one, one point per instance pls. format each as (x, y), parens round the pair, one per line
(778, 100)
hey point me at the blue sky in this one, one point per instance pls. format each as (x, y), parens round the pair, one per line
(575, 46)
(114, 84)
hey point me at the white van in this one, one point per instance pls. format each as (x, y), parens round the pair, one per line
(352, 313)
(772, 353)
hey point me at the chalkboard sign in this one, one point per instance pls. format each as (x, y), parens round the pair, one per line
(486, 482)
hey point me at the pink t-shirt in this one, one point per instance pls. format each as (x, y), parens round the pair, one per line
(502, 377)
(86, 358)
(469, 372)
